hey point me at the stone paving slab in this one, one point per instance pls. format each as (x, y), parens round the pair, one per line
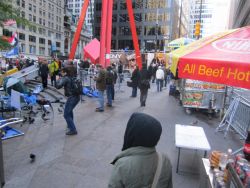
(84, 160)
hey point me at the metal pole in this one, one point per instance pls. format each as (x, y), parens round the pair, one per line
(180, 20)
(2, 181)
(200, 18)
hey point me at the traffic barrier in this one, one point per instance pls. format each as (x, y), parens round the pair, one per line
(237, 117)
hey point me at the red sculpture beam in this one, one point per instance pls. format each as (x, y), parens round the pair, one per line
(134, 34)
(103, 44)
(79, 29)
(109, 32)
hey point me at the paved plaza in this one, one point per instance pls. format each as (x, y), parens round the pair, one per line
(83, 161)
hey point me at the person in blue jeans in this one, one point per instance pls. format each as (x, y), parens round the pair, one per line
(100, 86)
(72, 100)
(109, 85)
(135, 78)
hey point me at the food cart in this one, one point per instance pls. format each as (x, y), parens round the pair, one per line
(202, 95)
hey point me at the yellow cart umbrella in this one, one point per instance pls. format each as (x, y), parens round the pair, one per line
(177, 43)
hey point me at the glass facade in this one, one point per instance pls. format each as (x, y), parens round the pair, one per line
(154, 25)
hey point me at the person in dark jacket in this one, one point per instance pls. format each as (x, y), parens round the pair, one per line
(136, 165)
(44, 72)
(100, 86)
(144, 84)
(115, 79)
(109, 85)
(134, 79)
(72, 101)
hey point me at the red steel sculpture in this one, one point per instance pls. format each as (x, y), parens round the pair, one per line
(106, 32)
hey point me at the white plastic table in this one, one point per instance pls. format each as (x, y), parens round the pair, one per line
(190, 137)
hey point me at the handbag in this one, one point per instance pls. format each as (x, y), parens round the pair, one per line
(158, 171)
(129, 84)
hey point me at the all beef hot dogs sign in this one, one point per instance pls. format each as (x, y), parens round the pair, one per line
(225, 61)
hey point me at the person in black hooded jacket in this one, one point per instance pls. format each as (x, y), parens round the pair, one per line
(72, 99)
(144, 84)
(136, 165)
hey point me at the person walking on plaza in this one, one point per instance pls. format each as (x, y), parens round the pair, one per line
(73, 99)
(144, 84)
(159, 78)
(139, 164)
(167, 73)
(134, 79)
(53, 69)
(115, 79)
(109, 85)
(44, 72)
(100, 86)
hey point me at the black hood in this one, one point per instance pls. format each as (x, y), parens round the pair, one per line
(142, 130)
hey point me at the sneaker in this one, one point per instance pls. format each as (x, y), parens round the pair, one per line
(71, 132)
(99, 110)
(109, 105)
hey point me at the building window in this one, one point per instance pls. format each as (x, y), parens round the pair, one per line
(41, 50)
(22, 48)
(18, 2)
(98, 7)
(34, 29)
(97, 31)
(41, 41)
(23, 14)
(7, 33)
(123, 17)
(30, 17)
(123, 6)
(34, 8)
(30, 7)
(32, 49)
(58, 36)
(114, 31)
(23, 3)
(21, 36)
(124, 30)
(58, 44)
(138, 17)
(34, 19)
(114, 18)
(32, 38)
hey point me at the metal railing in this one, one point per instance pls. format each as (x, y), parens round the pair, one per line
(4, 123)
(237, 116)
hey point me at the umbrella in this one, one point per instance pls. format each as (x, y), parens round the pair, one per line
(92, 51)
(180, 42)
(221, 58)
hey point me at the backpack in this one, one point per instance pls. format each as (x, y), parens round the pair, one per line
(76, 86)
(109, 78)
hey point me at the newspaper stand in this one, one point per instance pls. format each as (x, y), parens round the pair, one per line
(202, 95)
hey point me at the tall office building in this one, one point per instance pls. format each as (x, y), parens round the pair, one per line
(75, 7)
(46, 34)
(184, 18)
(200, 11)
(156, 23)
(213, 15)
(239, 13)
